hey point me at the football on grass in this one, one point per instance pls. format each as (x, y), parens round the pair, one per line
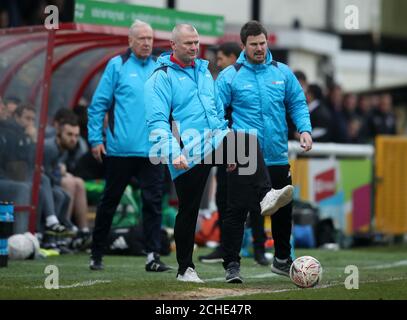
(306, 272)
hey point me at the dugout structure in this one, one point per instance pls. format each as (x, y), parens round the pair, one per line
(52, 69)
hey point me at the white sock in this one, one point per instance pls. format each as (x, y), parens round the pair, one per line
(281, 260)
(150, 257)
(50, 220)
(86, 229)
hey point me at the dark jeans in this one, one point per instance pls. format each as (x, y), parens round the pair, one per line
(119, 171)
(190, 186)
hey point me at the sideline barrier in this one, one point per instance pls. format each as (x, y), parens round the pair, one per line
(338, 179)
(391, 185)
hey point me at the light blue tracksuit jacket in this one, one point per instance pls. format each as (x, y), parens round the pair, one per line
(261, 96)
(121, 93)
(187, 95)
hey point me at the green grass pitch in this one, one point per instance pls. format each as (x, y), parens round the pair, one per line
(382, 275)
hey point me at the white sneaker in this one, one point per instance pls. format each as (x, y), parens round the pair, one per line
(190, 275)
(275, 199)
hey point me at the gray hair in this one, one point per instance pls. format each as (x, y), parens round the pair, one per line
(137, 24)
(178, 28)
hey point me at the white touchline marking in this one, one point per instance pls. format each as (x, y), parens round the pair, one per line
(389, 265)
(87, 283)
(324, 286)
(270, 274)
(257, 276)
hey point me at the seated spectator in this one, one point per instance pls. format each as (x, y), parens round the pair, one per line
(54, 150)
(17, 164)
(52, 129)
(11, 105)
(3, 112)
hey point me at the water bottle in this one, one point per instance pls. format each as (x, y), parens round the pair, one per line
(6, 229)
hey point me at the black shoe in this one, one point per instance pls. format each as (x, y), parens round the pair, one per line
(261, 259)
(233, 273)
(214, 257)
(96, 264)
(58, 229)
(82, 241)
(157, 265)
(281, 268)
(63, 249)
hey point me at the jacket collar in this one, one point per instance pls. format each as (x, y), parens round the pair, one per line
(182, 65)
(243, 60)
(165, 59)
(140, 61)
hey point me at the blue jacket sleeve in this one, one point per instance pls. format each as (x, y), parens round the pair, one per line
(295, 101)
(158, 101)
(224, 88)
(101, 103)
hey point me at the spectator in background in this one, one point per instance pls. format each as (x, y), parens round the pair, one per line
(363, 110)
(11, 105)
(292, 130)
(227, 54)
(364, 105)
(321, 120)
(3, 111)
(302, 79)
(72, 157)
(62, 114)
(335, 105)
(382, 119)
(54, 150)
(18, 135)
(24, 115)
(353, 120)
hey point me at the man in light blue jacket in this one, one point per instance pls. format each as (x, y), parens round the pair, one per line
(120, 93)
(182, 89)
(261, 92)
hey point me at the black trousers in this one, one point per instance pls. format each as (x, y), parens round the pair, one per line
(190, 185)
(281, 221)
(119, 171)
(256, 219)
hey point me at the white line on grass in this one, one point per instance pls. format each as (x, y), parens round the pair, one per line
(396, 264)
(257, 276)
(87, 283)
(324, 286)
(389, 265)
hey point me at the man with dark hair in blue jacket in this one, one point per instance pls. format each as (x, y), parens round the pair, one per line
(183, 89)
(260, 92)
(120, 93)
